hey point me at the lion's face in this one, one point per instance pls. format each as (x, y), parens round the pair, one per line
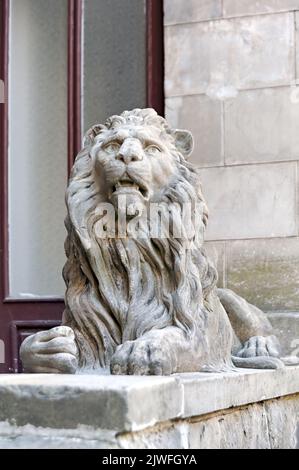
(133, 161)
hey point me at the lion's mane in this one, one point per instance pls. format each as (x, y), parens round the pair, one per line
(120, 288)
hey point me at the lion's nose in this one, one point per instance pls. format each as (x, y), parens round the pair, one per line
(130, 151)
(129, 156)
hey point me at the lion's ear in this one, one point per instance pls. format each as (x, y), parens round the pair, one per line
(91, 134)
(184, 142)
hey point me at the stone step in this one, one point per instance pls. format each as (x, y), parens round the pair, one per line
(196, 410)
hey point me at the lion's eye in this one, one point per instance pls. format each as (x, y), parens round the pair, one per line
(153, 150)
(113, 147)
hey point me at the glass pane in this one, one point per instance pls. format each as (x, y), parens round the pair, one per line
(114, 62)
(37, 146)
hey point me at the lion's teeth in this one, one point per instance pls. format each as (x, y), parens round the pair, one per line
(125, 184)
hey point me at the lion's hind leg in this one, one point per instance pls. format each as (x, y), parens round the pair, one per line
(257, 347)
(259, 352)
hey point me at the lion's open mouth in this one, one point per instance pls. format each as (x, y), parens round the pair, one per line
(126, 185)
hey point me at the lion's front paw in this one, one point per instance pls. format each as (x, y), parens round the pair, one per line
(52, 351)
(260, 346)
(142, 357)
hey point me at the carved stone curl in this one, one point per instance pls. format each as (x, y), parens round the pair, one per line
(139, 302)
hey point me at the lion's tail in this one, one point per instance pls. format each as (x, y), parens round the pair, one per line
(259, 362)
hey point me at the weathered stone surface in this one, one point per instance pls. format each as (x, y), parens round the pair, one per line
(170, 435)
(203, 117)
(286, 328)
(218, 57)
(134, 322)
(106, 402)
(269, 425)
(222, 391)
(251, 201)
(265, 272)
(251, 7)
(211, 416)
(273, 136)
(32, 437)
(283, 420)
(182, 11)
(259, 426)
(130, 403)
(130, 178)
(242, 429)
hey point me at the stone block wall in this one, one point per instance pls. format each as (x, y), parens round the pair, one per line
(231, 77)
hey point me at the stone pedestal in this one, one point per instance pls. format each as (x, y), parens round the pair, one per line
(244, 409)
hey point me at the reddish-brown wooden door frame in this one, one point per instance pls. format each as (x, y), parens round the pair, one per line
(155, 55)
(19, 317)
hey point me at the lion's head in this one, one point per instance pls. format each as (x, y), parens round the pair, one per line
(136, 154)
(120, 287)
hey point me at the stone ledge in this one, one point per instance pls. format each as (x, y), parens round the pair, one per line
(123, 403)
(128, 403)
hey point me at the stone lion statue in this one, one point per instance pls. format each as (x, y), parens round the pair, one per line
(144, 304)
